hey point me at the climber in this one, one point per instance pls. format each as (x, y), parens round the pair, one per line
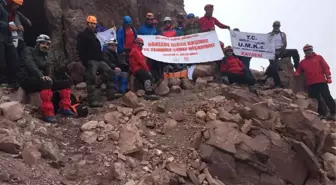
(280, 52)
(235, 70)
(317, 77)
(192, 26)
(208, 22)
(148, 28)
(9, 60)
(125, 37)
(112, 59)
(89, 51)
(180, 24)
(244, 59)
(38, 75)
(168, 29)
(140, 69)
(18, 18)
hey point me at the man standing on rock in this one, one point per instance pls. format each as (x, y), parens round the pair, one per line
(89, 51)
(140, 69)
(192, 26)
(8, 55)
(208, 22)
(38, 75)
(280, 52)
(148, 28)
(317, 76)
(125, 37)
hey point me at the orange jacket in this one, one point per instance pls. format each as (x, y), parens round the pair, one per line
(137, 60)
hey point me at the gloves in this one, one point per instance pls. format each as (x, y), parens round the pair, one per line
(329, 81)
(296, 73)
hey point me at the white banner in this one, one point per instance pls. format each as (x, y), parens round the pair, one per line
(253, 45)
(106, 36)
(196, 48)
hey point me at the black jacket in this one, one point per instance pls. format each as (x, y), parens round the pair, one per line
(88, 47)
(36, 64)
(112, 59)
(5, 35)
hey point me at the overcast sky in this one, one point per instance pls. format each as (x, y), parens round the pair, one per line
(304, 21)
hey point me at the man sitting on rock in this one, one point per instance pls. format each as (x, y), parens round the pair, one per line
(280, 52)
(38, 75)
(236, 71)
(148, 28)
(140, 69)
(89, 51)
(317, 76)
(208, 22)
(120, 67)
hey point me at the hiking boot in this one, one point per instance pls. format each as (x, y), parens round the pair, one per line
(111, 95)
(13, 86)
(65, 112)
(252, 89)
(95, 104)
(152, 97)
(331, 117)
(4, 85)
(49, 119)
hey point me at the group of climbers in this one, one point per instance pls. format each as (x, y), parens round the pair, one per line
(124, 56)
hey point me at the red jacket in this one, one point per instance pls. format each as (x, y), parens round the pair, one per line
(232, 64)
(137, 60)
(315, 69)
(169, 32)
(208, 23)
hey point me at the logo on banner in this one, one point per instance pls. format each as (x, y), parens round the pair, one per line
(176, 59)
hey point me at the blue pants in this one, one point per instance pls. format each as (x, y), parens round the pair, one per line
(121, 80)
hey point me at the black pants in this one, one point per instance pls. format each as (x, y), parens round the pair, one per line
(146, 79)
(246, 78)
(273, 68)
(320, 92)
(98, 67)
(34, 84)
(20, 48)
(8, 63)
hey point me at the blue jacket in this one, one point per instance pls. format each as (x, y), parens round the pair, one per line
(147, 30)
(121, 38)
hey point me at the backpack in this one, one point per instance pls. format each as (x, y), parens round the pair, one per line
(80, 109)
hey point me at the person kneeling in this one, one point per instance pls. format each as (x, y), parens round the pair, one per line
(121, 68)
(140, 69)
(236, 71)
(37, 75)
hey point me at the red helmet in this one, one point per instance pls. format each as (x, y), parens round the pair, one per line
(221, 44)
(139, 40)
(307, 47)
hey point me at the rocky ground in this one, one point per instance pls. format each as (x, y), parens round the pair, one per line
(204, 134)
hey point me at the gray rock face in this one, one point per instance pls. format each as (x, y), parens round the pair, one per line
(67, 18)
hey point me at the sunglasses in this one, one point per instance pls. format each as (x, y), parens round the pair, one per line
(307, 50)
(150, 19)
(229, 50)
(46, 43)
(276, 26)
(141, 44)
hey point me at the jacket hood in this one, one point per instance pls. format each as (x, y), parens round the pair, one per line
(313, 54)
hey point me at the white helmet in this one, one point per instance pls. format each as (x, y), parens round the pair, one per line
(167, 19)
(112, 41)
(43, 38)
